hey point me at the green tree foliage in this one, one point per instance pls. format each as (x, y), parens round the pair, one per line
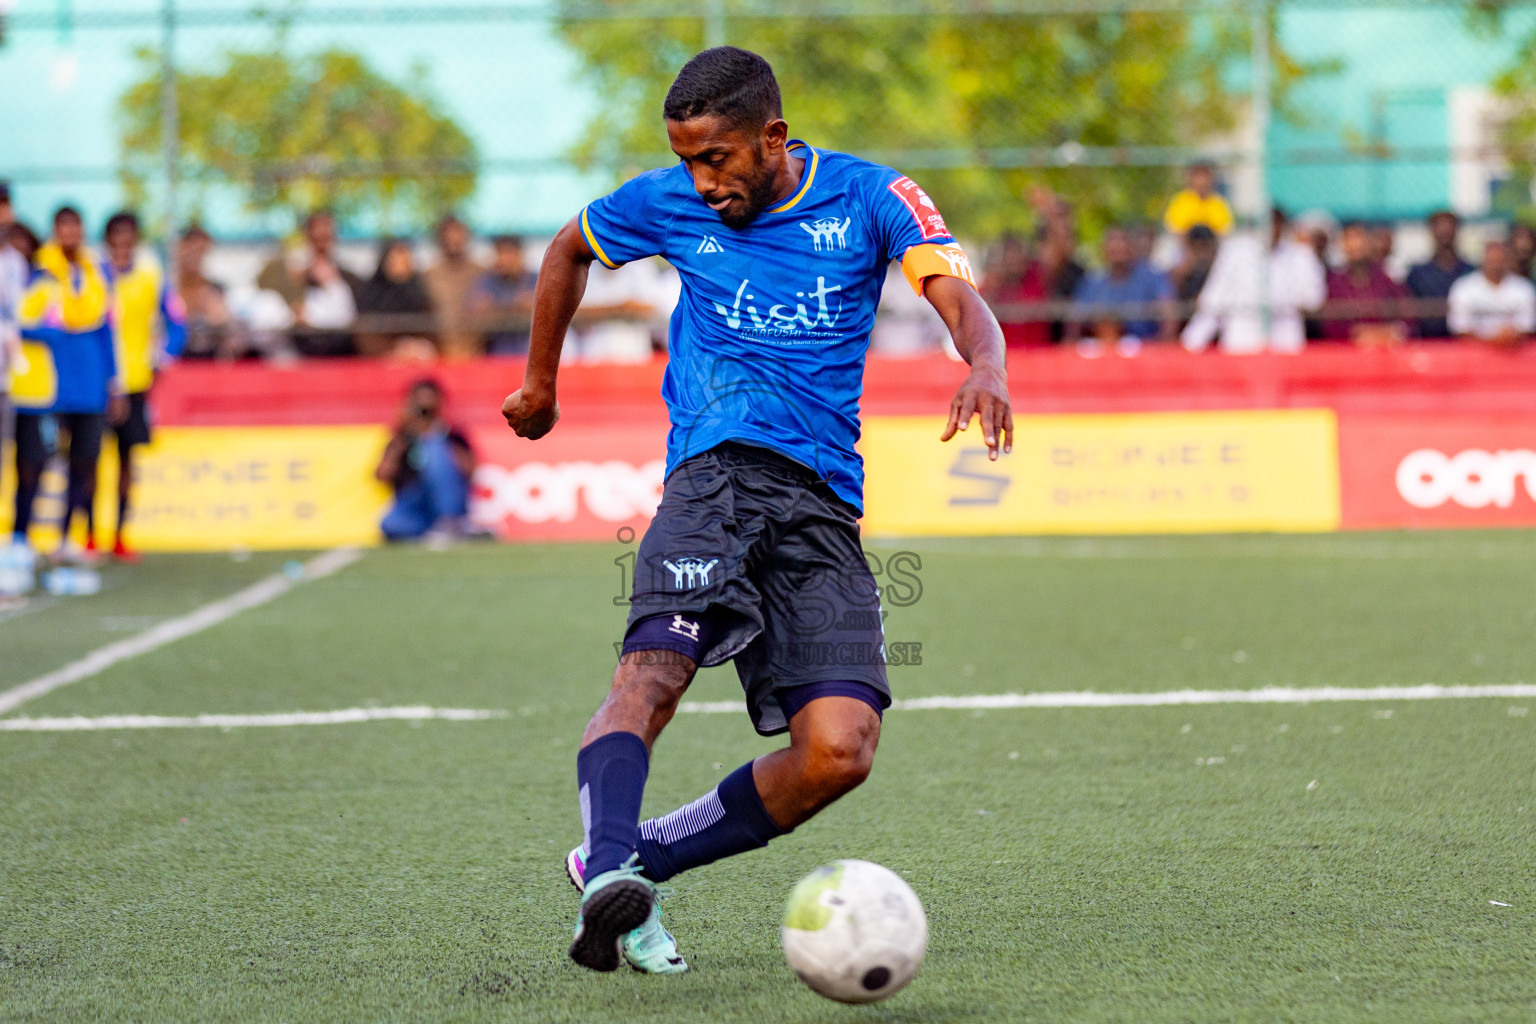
(1517, 135)
(301, 132)
(953, 100)
(1516, 86)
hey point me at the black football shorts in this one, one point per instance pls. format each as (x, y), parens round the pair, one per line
(759, 541)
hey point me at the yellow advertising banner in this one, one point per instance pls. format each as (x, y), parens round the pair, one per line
(217, 488)
(1202, 472)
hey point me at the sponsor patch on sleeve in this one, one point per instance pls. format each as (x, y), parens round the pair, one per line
(924, 261)
(929, 220)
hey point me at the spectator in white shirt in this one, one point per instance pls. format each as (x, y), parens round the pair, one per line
(13, 282)
(613, 324)
(1494, 304)
(1229, 304)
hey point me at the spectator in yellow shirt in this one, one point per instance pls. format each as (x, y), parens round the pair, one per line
(1198, 203)
(149, 326)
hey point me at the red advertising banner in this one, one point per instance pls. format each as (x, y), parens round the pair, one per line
(1400, 471)
(1429, 435)
(581, 482)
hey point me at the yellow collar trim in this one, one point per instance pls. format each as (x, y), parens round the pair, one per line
(809, 177)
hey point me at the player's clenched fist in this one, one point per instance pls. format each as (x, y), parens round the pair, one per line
(530, 415)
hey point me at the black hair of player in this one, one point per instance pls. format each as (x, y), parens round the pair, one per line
(727, 82)
(121, 219)
(67, 213)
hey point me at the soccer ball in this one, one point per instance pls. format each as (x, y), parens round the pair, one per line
(854, 931)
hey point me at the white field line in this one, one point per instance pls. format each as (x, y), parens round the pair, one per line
(347, 716)
(169, 632)
(1090, 699)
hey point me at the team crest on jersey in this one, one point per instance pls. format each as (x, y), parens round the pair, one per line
(695, 571)
(710, 244)
(828, 233)
(929, 221)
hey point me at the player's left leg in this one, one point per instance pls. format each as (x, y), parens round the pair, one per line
(832, 742)
(131, 433)
(85, 431)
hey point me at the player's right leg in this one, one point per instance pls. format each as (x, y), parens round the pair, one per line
(31, 453)
(611, 770)
(693, 605)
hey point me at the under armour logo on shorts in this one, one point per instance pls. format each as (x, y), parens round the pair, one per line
(683, 627)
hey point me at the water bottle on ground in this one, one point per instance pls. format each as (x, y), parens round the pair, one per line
(71, 581)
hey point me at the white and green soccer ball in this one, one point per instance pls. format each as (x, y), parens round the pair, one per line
(854, 931)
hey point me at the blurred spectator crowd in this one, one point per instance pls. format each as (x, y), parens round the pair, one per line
(1199, 279)
(316, 296)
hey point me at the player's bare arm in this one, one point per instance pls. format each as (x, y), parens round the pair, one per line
(979, 340)
(532, 411)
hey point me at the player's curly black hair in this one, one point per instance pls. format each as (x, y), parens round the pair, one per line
(727, 82)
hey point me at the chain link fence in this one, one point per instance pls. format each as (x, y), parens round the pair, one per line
(1039, 125)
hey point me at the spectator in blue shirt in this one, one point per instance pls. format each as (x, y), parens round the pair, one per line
(502, 300)
(1433, 280)
(1126, 298)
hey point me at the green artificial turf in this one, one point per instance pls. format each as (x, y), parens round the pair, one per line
(1326, 862)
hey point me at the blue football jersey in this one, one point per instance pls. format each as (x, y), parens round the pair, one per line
(769, 337)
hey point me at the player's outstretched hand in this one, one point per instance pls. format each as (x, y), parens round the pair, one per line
(530, 415)
(984, 395)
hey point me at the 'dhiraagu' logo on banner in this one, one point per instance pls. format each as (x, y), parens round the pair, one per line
(1474, 478)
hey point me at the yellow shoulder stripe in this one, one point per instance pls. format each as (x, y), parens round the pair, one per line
(597, 250)
(809, 177)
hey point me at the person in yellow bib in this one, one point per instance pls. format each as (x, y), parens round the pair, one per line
(1198, 203)
(70, 374)
(149, 324)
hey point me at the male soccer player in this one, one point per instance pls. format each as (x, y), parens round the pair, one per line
(754, 553)
(149, 326)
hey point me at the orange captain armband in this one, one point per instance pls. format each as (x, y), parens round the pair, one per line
(924, 261)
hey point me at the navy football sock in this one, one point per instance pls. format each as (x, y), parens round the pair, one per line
(610, 772)
(728, 820)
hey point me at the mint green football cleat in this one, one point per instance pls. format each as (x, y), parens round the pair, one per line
(612, 904)
(649, 948)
